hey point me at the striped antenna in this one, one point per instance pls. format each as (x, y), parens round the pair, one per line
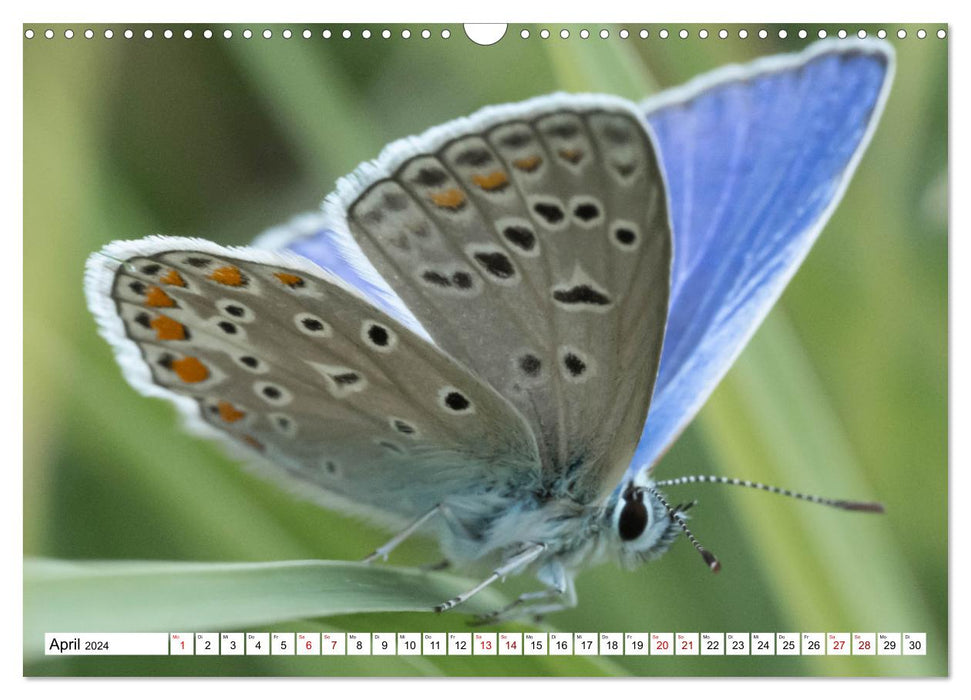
(710, 559)
(834, 503)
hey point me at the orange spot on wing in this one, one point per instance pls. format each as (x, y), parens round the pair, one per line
(529, 163)
(228, 275)
(168, 328)
(190, 370)
(159, 299)
(289, 279)
(493, 181)
(449, 199)
(229, 413)
(571, 154)
(174, 278)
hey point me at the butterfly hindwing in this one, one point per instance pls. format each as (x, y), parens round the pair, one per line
(291, 365)
(532, 243)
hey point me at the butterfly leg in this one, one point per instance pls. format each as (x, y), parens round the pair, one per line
(567, 600)
(521, 559)
(561, 594)
(384, 550)
(441, 509)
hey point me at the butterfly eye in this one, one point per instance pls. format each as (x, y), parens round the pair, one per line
(633, 516)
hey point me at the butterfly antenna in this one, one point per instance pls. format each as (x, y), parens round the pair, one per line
(860, 506)
(710, 559)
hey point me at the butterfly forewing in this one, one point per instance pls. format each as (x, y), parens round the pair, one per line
(534, 247)
(756, 159)
(326, 387)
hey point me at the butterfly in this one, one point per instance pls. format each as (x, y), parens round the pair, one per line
(493, 331)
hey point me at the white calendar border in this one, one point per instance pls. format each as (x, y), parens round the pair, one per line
(11, 652)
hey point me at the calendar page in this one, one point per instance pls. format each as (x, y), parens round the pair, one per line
(387, 349)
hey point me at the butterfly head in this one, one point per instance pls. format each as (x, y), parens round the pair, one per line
(641, 524)
(644, 524)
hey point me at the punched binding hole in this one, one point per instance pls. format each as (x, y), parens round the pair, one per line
(485, 34)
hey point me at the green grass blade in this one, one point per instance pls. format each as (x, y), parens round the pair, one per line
(316, 106)
(609, 67)
(140, 596)
(770, 420)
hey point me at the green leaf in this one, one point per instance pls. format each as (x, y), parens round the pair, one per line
(142, 596)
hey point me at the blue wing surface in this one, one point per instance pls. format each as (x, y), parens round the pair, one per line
(756, 158)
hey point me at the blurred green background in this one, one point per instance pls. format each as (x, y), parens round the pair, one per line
(842, 392)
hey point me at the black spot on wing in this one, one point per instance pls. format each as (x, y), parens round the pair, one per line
(574, 365)
(372, 217)
(474, 157)
(444, 280)
(564, 130)
(436, 278)
(517, 139)
(625, 236)
(496, 264)
(520, 236)
(403, 427)
(587, 211)
(551, 213)
(625, 170)
(138, 287)
(378, 335)
(462, 280)
(581, 294)
(456, 401)
(346, 378)
(395, 201)
(430, 177)
(617, 134)
(530, 365)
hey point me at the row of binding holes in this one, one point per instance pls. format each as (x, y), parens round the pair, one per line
(248, 34)
(724, 34)
(525, 34)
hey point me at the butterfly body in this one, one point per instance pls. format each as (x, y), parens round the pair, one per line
(467, 340)
(576, 535)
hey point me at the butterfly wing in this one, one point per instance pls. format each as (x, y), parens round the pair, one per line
(310, 236)
(532, 242)
(756, 158)
(339, 399)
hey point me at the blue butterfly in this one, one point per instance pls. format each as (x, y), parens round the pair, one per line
(496, 329)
